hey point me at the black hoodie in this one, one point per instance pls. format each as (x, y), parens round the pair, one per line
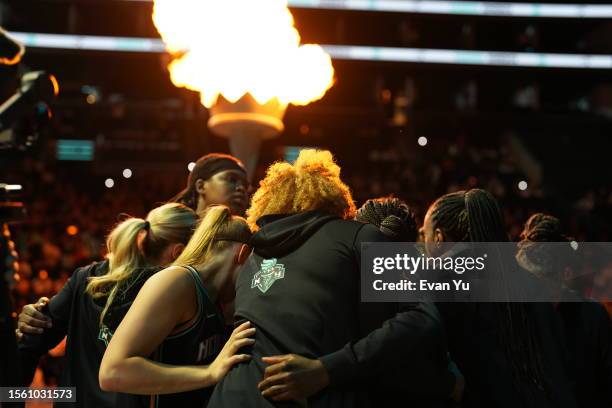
(300, 289)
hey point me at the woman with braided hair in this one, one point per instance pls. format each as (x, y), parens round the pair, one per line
(586, 324)
(510, 353)
(548, 261)
(542, 227)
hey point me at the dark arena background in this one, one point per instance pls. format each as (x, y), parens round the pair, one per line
(474, 95)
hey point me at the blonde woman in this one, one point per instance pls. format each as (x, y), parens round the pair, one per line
(169, 347)
(95, 299)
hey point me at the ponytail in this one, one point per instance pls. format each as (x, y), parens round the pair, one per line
(475, 216)
(484, 217)
(136, 243)
(124, 257)
(216, 228)
(472, 215)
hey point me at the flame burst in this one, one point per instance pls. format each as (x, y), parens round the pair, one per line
(232, 47)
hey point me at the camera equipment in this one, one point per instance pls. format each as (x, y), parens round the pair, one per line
(21, 118)
(27, 111)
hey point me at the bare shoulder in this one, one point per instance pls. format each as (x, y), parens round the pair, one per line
(175, 278)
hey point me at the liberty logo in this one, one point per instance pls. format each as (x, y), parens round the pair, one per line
(269, 273)
(105, 335)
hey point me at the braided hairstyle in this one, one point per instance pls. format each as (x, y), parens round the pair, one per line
(392, 216)
(472, 215)
(475, 216)
(542, 227)
(544, 260)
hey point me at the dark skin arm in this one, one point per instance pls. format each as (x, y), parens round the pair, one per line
(32, 320)
(292, 377)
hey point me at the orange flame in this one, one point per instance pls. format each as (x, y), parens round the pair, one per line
(234, 47)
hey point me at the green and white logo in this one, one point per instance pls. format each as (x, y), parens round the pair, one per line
(105, 335)
(269, 273)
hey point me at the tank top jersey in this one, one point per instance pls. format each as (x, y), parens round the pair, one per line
(197, 344)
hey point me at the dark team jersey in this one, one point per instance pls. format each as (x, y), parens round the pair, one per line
(197, 344)
(76, 315)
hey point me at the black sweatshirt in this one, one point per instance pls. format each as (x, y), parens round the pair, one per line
(588, 334)
(76, 314)
(477, 343)
(300, 289)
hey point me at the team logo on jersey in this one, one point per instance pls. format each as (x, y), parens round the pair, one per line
(105, 335)
(269, 273)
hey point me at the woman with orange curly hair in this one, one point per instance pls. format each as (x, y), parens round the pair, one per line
(300, 290)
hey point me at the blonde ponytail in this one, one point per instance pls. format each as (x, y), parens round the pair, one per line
(124, 257)
(136, 243)
(216, 230)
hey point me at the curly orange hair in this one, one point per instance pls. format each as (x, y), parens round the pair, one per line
(312, 183)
